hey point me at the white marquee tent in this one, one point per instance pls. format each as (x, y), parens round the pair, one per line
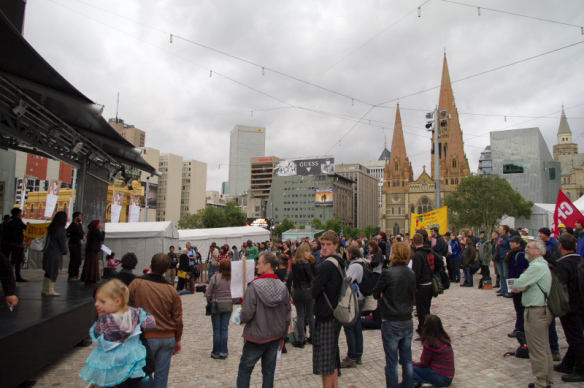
(202, 238)
(143, 238)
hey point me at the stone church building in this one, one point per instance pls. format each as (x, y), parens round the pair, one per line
(402, 195)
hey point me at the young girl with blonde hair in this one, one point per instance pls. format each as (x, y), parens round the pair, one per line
(120, 355)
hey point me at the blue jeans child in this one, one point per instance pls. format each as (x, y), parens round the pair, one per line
(427, 375)
(397, 342)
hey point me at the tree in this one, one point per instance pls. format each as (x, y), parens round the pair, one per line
(234, 216)
(482, 200)
(334, 225)
(317, 223)
(213, 217)
(191, 221)
(284, 226)
(369, 230)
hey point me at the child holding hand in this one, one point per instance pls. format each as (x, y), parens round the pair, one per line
(120, 356)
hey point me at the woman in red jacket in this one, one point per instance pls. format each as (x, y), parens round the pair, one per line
(436, 364)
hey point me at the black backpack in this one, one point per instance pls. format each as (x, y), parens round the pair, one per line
(366, 285)
(522, 351)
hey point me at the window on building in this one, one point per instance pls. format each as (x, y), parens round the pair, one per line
(567, 194)
(454, 163)
(413, 209)
(552, 173)
(513, 168)
(396, 166)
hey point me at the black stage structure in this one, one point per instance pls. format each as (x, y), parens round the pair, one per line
(43, 114)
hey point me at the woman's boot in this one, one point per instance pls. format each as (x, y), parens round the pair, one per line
(51, 291)
(45, 286)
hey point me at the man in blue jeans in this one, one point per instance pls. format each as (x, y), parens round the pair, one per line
(266, 312)
(395, 290)
(154, 294)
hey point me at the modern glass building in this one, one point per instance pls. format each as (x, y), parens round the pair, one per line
(522, 157)
(246, 143)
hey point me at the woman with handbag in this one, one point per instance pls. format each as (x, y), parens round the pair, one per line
(95, 237)
(302, 276)
(220, 307)
(55, 248)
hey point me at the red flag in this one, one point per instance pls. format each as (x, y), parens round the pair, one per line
(565, 213)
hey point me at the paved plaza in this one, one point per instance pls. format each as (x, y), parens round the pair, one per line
(477, 321)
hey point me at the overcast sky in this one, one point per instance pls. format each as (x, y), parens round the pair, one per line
(369, 51)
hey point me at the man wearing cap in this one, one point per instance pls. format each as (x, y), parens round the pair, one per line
(551, 244)
(536, 280)
(561, 229)
(524, 232)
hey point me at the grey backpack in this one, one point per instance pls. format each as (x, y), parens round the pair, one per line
(347, 310)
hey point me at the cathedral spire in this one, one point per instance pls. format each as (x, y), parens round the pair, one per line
(398, 144)
(453, 162)
(398, 169)
(564, 126)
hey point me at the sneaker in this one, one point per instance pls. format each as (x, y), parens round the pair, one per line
(347, 363)
(563, 369)
(573, 378)
(557, 357)
(359, 362)
(500, 294)
(215, 356)
(508, 295)
(512, 335)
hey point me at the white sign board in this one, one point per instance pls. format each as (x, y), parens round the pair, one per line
(134, 215)
(240, 278)
(51, 204)
(116, 210)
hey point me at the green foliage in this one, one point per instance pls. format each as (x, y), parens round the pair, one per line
(284, 226)
(302, 227)
(234, 216)
(482, 200)
(317, 223)
(212, 217)
(369, 230)
(334, 225)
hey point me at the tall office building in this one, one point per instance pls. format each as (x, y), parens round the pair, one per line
(246, 143)
(485, 162)
(262, 174)
(377, 169)
(365, 194)
(194, 187)
(169, 188)
(132, 134)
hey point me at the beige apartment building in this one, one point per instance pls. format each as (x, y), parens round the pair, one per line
(365, 194)
(262, 174)
(194, 186)
(169, 188)
(132, 134)
(152, 156)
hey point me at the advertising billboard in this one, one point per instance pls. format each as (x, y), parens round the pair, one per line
(304, 167)
(323, 197)
(152, 194)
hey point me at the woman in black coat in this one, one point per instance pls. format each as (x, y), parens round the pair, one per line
(55, 248)
(95, 237)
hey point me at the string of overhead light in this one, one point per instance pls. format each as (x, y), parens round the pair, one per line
(480, 8)
(288, 105)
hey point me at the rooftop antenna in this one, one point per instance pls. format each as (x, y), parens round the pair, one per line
(117, 107)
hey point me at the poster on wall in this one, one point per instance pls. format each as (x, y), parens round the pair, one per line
(323, 197)
(52, 197)
(116, 209)
(152, 195)
(134, 209)
(2, 195)
(436, 218)
(304, 167)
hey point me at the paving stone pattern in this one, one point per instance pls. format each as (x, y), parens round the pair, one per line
(477, 321)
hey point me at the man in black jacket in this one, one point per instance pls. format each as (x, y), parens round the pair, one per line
(326, 359)
(573, 321)
(13, 242)
(423, 273)
(440, 248)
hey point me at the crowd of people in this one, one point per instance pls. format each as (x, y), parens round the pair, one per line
(394, 278)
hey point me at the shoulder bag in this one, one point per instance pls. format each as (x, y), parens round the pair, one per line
(212, 307)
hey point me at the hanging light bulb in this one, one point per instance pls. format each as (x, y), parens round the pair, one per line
(263, 71)
(420, 11)
(210, 73)
(479, 11)
(252, 113)
(170, 38)
(352, 102)
(505, 118)
(582, 30)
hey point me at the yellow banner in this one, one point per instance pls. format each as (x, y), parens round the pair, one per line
(436, 218)
(35, 231)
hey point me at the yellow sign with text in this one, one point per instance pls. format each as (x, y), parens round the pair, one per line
(34, 231)
(436, 218)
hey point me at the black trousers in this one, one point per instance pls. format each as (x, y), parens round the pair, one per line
(486, 272)
(16, 255)
(520, 312)
(74, 260)
(423, 304)
(573, 325)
